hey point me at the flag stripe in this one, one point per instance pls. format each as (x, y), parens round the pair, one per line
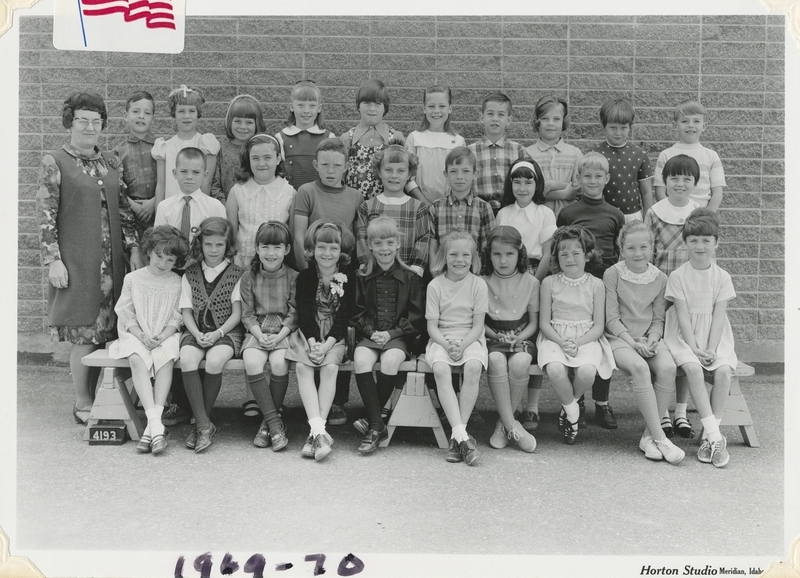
(156, 14)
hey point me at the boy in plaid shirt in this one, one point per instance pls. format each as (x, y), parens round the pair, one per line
(494, 152)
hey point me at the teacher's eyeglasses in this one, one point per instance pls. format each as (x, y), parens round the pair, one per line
(84, 122)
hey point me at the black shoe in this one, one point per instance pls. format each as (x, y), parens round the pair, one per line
(469, 451)
(475, 420)
(604, 416)
(453, 452)
(191, 441)
(174, 414)
(204, 436)
(666, 425)
(562, 419)
(570, 432)
(336, 415)
(371, 441)
(683, 427)
(582, 415)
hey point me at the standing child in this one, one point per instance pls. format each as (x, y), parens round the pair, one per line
(457, 301)
(557, 159)
(634, 326)
(148, 322)
(494, 151)
(185, 106)
(523, 207)
(630, 187)
(139, 168)
(304, 130)
(260, 195)
(369, 136)
(242, 121)
(395, 166)
(388, 317)
(689, 121)
(604, 222)
(325, 303)
(571, 323)
(431, 143)
(212, 308)
(698, 332)
(269, 316)
(509, 333)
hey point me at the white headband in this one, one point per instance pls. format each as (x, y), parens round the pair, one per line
(526, 165)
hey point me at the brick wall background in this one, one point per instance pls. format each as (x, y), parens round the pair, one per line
(733, 64)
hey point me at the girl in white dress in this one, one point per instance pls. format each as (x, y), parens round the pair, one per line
(457, 303)
(148, 324)
(571, 323)
(698, 332)
(634, 326)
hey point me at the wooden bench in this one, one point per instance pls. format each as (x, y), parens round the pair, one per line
(413, 408)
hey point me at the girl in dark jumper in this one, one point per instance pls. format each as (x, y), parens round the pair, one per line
(212, 308)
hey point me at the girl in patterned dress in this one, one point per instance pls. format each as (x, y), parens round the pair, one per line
(149, 320)
(370, 135)
(261, 195)
(571, 323)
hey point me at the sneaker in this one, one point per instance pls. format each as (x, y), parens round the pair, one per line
(262, 439)
(475, 420)
(279, 439)
(719, 453)
(604, 416)
(191, 441)
(308, 447)
(498, 439)
(322, 446)
(648, 446)
(336, 416)
(453, 453)
(705, 452)
(530, 420)
(469, 451)
(683, 427)
(173, 415)
(361, 425)
(672, 453)
(524, 440)
(582, 414)
(570, 431)
(666, 425)
(204, 436)
(371, 441)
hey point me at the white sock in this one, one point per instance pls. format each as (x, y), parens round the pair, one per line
(680, 410)
(601, 403)
(711, 428)
(573, 411)
(460, 433)
(317, 426)
(154, 420)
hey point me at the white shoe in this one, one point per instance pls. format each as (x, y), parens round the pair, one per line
(672, 453)
(719, 453)
(498, 440)
(524, 440)
(648, 446)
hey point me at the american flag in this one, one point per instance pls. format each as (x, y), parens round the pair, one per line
(156, 14)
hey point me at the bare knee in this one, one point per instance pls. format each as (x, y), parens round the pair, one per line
(556, 371)
(586, 372)
(472, 371)
(498, 363)
(519, 364)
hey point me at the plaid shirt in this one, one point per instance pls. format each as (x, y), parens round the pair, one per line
(412, 218)
(138, 166)
(494, 160)
(669, 249)
(471, 214)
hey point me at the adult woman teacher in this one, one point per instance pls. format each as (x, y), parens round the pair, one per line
(85, 224)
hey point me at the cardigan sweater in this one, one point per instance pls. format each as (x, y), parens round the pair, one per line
(306, 303)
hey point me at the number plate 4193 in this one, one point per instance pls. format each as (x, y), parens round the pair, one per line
(105, 435)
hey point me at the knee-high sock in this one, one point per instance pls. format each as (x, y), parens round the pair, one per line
(342, 388)
(387, 384)
(211, 386)
(369, 395)
(194, 391)
(648, 406)
(278, 384)
(258, 384)
(663, 397)
(600, 389)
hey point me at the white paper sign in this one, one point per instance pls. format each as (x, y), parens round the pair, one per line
(120, 25)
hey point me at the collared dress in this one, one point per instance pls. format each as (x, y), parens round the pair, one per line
(167, 151)
(268, 301)
(512, 299)
(666, 221)
(298, 149)
(359, 174)
(536, 225)
(432, 149)
(73, 317)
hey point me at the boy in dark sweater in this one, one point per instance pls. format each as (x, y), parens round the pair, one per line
(604, 221)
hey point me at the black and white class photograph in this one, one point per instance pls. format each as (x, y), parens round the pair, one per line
(425, 294)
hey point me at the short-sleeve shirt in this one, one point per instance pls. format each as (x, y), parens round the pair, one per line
(494, 160)
(711, 172)
(167, 151)
(318, 201)
(454, 303)
(559, 164)
(535, 223)
(628, 166)
(170, 212)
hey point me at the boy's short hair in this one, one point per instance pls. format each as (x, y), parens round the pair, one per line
(617, 111)
(190, 153)
(76, 101)
(546, 103)
(331, 145)
(168, 239)
(702, 222)
(593, 160)
(137, 96)
(457, 155)
(680, 165)
(497, 97)
(373, 91)
(688, 108)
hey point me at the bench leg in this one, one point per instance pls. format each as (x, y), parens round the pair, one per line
(113, 402)
(414, 408)
(738, 414)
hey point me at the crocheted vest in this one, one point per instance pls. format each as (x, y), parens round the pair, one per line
(212, 298)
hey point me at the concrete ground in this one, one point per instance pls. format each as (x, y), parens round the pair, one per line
(600, 496)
